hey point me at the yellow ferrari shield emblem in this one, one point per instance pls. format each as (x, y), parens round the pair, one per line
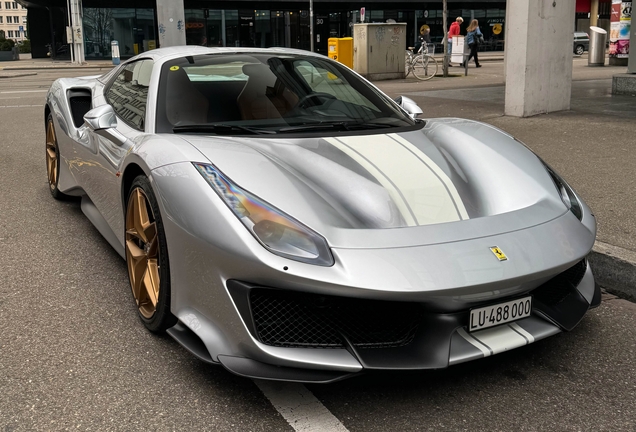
(499, 253)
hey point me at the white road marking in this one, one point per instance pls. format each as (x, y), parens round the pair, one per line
(20, 106)
(300, 407)
(24, 91)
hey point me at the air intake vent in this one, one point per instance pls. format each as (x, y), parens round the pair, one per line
(556, 289)
(291, 319)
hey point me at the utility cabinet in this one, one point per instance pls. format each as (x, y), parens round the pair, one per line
(378, 50)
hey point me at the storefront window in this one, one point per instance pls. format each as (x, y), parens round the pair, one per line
(195, 27)
(232, 28)
(263, 28)
(214, 27)
(134, 29)
(376, 16)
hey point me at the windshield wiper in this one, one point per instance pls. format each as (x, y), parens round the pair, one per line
(340, 126)
(221, 129)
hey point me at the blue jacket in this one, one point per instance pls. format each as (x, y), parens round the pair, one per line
(470, 37)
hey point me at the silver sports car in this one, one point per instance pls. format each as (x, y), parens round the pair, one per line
(281, 216)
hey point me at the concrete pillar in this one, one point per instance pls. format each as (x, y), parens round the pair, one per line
(631, 62)
(538, 59)
(594, 13)
(77, 29)
(171, 23)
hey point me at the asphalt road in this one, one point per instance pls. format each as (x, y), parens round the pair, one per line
(73, 354)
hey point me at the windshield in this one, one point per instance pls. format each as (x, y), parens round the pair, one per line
(268, 94)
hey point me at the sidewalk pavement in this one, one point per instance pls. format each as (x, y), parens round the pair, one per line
(593, 145)
(49, 64)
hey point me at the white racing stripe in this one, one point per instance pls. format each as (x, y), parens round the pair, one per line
(499, 339)
(450, 187)
(474, 342)
(422, 192)
(300, 407)
(382, 178)
(522, 332)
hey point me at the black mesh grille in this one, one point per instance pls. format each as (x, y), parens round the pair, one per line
(556, 289)
(287, 319)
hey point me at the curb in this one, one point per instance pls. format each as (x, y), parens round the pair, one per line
(484, 59)
(614, 269)
(16, 75)
(44, 68)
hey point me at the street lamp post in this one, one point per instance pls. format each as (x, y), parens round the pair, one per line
(444, 20)
(311, 25)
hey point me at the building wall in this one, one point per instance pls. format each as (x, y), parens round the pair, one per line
(10, 12)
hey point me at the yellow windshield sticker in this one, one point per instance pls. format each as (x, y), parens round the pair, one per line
(174, 68)
(499, 253)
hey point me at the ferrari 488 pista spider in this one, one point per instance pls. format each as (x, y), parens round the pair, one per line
(281, 216)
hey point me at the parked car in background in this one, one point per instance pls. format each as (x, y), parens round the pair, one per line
(581, 42)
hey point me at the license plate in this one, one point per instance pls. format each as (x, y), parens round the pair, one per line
(501, 313)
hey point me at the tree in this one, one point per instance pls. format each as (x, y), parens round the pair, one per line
(98, 27)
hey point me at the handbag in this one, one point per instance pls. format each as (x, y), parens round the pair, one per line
(478, 38)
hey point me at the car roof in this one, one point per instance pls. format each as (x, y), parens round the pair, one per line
(162, 55)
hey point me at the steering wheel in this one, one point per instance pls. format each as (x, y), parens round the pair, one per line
(317, 96)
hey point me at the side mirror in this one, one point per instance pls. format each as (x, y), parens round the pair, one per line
(102, 121)
(100, 118)
(409, 106)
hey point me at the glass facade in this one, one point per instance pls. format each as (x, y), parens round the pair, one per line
(133, 28)
(284, 24)
(290, 28)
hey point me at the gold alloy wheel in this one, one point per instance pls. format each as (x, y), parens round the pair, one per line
(142, 253)
(51, 155)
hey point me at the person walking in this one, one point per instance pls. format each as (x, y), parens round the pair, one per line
(472, 39)
(454, 30)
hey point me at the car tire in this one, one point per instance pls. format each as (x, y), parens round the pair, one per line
(579, 50)
(53, 160)
(147, 257)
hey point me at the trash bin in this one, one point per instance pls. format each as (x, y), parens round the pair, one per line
(114, 50)
(341, 50)
(596, 53)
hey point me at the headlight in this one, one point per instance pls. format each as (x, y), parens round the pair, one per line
(276, 231)
(567, 194)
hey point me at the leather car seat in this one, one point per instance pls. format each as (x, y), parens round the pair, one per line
(184, 103)
(258, 100)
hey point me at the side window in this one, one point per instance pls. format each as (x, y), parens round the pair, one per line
(128, 94)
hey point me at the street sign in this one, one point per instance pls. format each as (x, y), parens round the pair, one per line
(21, 28)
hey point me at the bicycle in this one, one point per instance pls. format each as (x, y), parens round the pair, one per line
(423, 65)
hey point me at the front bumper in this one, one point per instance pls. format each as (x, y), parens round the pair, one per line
(439, 341)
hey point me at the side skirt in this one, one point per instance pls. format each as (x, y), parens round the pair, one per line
(96, 218)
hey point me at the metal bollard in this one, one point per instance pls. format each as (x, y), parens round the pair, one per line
(114, 49)
(596, 53)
